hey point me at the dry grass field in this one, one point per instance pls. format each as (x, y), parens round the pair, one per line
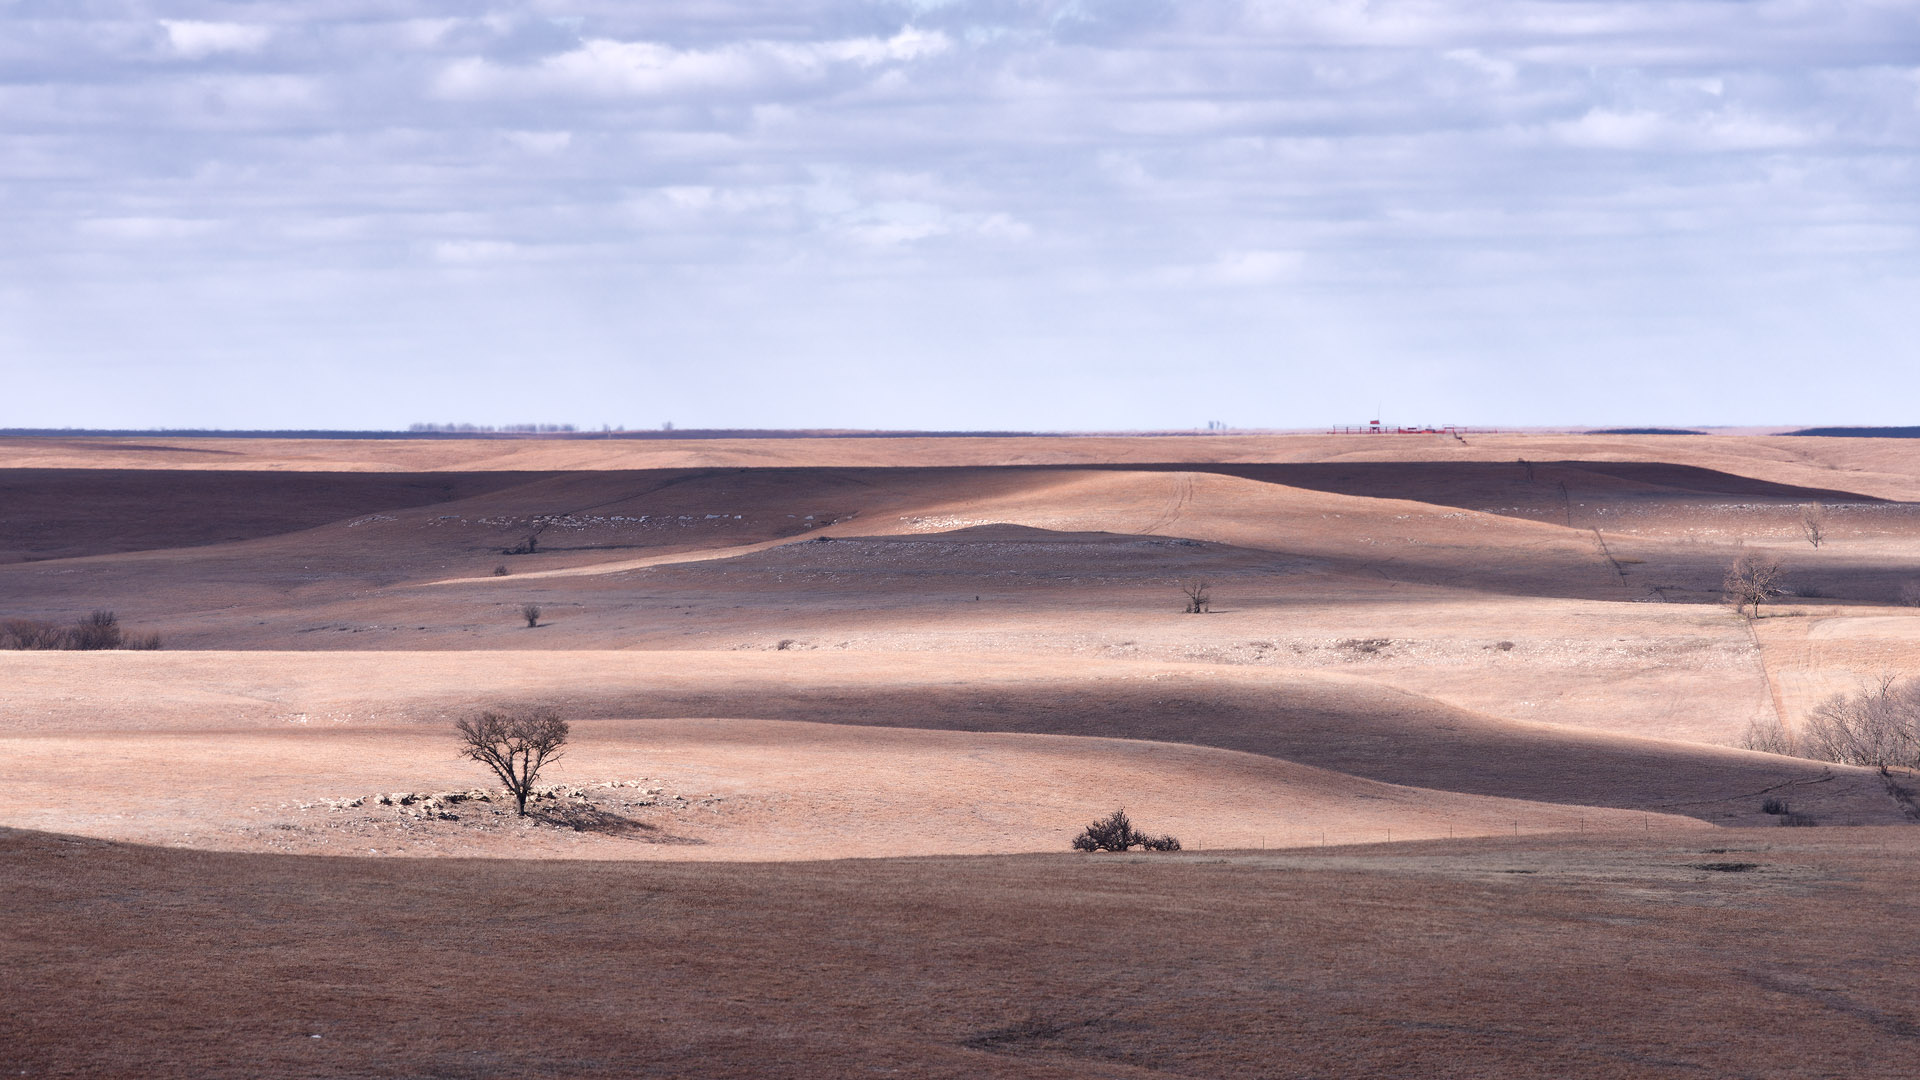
(1453, 758)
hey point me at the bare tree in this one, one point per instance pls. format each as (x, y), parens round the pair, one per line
(1879, 725)
(531, 613)
(514, 745)
(100, 630)
(1527, 467)
(1199, 596)
(1754, 577)
(1813, 523)
(531, 545)
(1769, 736)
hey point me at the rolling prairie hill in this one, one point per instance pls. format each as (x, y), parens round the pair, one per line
(1441, 687)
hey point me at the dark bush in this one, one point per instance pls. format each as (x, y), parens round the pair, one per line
(531, 613)
(1800, 820)
(1116, 833)
(1111, 833)
(100, 630)
(529, 546)
(1773, 806)
(500, 571)
(32, 634)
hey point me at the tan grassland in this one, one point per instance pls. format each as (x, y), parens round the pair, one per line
(1453, 757)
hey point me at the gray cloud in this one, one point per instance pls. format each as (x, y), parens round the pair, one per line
(1062, 214)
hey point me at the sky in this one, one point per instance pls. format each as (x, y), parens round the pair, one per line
(995, 215)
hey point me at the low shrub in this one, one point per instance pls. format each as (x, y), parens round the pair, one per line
(1366, 646)
(1116, 833)
(1111, 833)
(1772, 805)
(99, 630)
(32, 634)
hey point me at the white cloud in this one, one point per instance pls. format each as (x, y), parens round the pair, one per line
(611, 68)
(195, 40)
(1235, 269)
(1606, 129)
(696, 206)
(894, 223)
(465, 252)
(325, 228)
(147, 228)
(1495, 179)
(1257, 267)
(999, 227)
(541, 142)
(424, 33)
(1502, 72)
(891, 233)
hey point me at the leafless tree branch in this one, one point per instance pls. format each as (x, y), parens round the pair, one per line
(1199, 596)
(1753, 578)
(516, 746)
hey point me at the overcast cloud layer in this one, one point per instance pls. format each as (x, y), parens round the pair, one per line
(1057, 215)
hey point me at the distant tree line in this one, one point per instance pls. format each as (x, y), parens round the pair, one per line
(482, 429)
(1876, 725)
(100, 630)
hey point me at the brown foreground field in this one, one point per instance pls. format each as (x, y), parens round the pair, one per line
(1769, 955)
(1453, 757)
